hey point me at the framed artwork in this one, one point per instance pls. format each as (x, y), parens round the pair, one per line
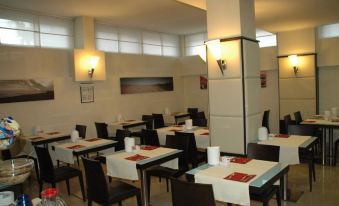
(203, 82)
(263, 79)
(87, 93)
(132, 85)
(23, 90)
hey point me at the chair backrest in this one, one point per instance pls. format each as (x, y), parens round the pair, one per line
(46, 167)
(192, 148)
(193, 112)
(158, 121)
(297, 117)
(150, 137)
(101, 128)
(181, 143)
(300, 129)
(200, 122)
(201, 115)
(263, 152)
(149, 121)
(97, 189)
(187, 193)
(81, 129)
(265, 120)
(287, 121)
(120, 136)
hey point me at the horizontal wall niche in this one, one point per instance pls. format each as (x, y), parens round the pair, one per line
(133, 85)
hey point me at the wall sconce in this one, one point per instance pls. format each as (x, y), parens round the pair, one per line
(215, 47)
(93, 61)
(294, 62)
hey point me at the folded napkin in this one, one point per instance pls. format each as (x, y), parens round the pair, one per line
(309, 121)
(36, 138)
(282, 135)
(240, 160)
(92, 139)
(52, 133)
(148, 147)
(131, 120)
(77, 146)
(205, 133)
(240, 177)
(136, 157)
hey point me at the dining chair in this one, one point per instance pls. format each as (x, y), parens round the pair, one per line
(199, 122)
(193, 112)
(201, 115)
(119, 137)
(175, 142)
(102, 193)
(158, 121)
(265, 120)
(297, 117)
(267, 153)
(101, 128)
(188, 193)
(305, 155)
(287, 121)
(52, 175)
(150, 137)
(149, 121)
(194, 156)
(82, 130)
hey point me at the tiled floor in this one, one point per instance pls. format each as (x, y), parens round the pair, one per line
(325, 190)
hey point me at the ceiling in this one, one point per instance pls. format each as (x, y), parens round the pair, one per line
(171, 16)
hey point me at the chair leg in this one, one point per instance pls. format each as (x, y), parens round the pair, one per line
(139, 199)
(310, 174)
(335, 153)
(68, 188)
(148, 182)
(78, 161)
(167, 185)
(82, 187)
(278, 196)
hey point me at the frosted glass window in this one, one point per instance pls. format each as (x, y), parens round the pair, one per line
(106, 32)
(56, 41)
(151, 38)
(130, 35)
(17, 37)
(170, 40)
(52, 25)
(267, 41)
(328, 31)
(107, 45)
(171, 51)
(16, 20)
(196, 50)
(195, 39)
(130, 47)
(152, 49)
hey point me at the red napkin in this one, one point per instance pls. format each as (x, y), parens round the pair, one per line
(309, 121)
(36, 138)
(131, 120)
(205, 133)
(240, 177)
(92, 139)
(240, 160)
(51, 133)
(77, 146)
(282, 135)
(148, 147)
(136, 157)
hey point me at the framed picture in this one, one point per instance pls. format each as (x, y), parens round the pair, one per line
(132, 85)
(87, 93)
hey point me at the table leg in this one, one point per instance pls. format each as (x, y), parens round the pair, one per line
(285, 186)
(331, 145)
(323, 140)
(144, 188)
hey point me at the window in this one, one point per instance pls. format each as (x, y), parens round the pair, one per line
(328, 31)
(195, 44)
(112, 39)
(17, 28)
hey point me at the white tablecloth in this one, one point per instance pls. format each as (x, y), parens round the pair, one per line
(228, 190)
(118, 166)
(201, 134)
(63, 153)
(289, 147)
(112, 127)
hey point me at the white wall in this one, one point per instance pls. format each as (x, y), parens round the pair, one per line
(65, 110)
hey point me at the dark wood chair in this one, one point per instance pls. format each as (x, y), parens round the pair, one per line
(53, 175)
(150, 137)
(187, 193)
(287, 121)
(102, 193)
(265, 120)
(201, 115)
(149, 121)
(199, 122)
(175, 142)
(101, 129)
(193, 112)
(194, 156)
(267, 153)
(297, 117)
(119, 137)
(306, 156)
(158, 121)
(82, 130)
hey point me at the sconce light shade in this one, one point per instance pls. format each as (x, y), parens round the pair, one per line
(294, 62)
(215, 47)
(93, 61)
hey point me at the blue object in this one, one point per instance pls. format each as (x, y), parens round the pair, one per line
(24, 200)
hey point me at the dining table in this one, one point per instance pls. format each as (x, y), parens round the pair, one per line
(132, 125)
(327, 126)
(133, 165)
(175, 118)
(235, 181)
(202, 135)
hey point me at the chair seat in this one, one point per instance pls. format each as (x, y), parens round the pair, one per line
(119, 190)
(266, 195)
(64, 172)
